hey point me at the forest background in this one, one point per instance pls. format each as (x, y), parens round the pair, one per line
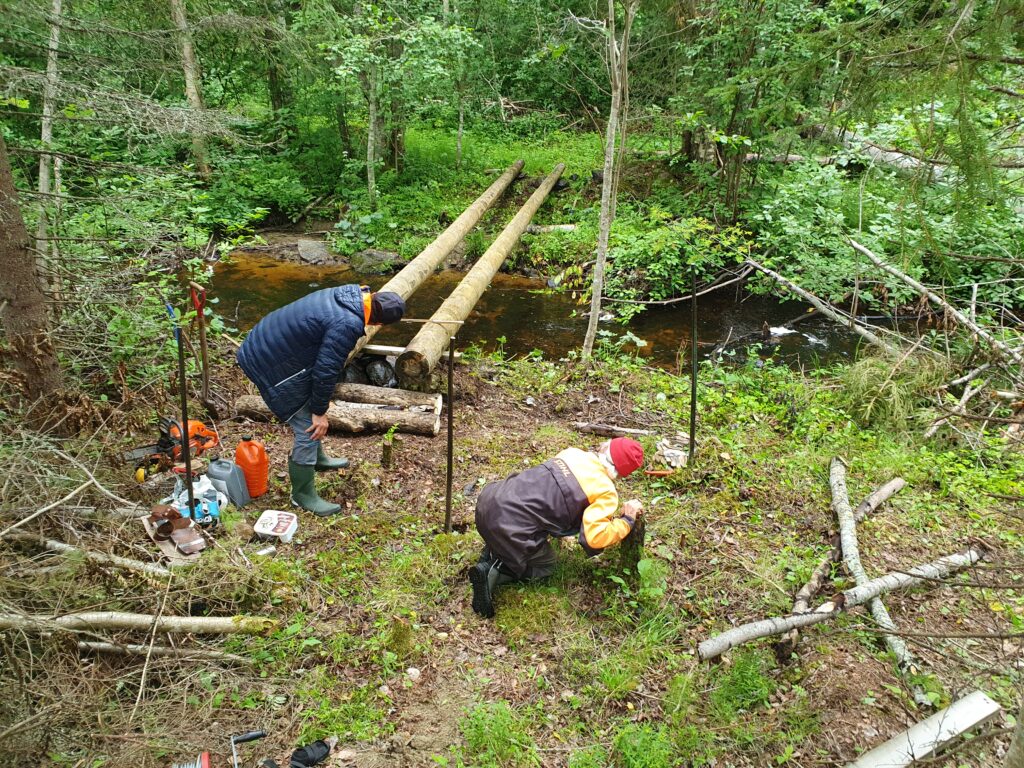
(138, 141)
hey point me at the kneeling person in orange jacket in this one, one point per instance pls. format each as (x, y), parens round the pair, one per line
(572, 494)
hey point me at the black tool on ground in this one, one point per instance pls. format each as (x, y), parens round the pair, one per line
(183, 388)
(242, 738)
(307, 756)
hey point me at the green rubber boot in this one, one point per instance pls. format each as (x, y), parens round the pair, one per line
(325, 462)
(304, 493)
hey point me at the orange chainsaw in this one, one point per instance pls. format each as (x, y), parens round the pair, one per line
(166, 451)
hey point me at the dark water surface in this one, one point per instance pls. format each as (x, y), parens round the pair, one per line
(529, 317)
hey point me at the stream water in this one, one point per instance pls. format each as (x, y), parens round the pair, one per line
(528, 316)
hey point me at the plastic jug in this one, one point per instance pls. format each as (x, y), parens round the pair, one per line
(229, 478)
(251, 456)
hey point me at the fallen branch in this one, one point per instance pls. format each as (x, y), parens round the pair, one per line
(540, 229)
(960, 408)
(742, 275)
(93, 620)
(609, 430)
(851, 556)
(825, 309)
(162, 651)
(715, 646)
(150, 569)
(47, 508)
(802, 601)
(938, 301)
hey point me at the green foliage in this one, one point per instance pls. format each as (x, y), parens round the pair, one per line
(497, 737)
(642, 746)
(657, 261)
(889, 394)
(743, 685)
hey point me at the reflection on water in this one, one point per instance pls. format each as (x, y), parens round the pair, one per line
(249, 285)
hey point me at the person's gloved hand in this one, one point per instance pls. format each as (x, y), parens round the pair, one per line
(319, 428)
(632, 508)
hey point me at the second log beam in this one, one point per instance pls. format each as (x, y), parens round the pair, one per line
(423, 352)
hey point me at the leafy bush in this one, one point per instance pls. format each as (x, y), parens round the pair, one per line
(887, 393)
(655, 262)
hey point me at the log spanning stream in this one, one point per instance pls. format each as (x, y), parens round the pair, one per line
(520, 318)
(527, 316)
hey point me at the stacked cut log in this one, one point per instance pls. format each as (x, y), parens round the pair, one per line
(361, 408)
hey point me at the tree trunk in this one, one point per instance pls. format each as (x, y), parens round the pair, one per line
(46, 139)
(802, 600)
(355, 418)
(618, 68)
(193, 81)
(371, 139)
(423, 352)
(341, 117)
(161, 651)
(22, 303)
(458, 136)
(419, 269)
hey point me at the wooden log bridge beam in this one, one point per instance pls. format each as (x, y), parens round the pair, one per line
(423, 352)
(420, 268)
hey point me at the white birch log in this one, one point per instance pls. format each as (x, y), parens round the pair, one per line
(142, 622)
(609, 430)
(163, 651)
(102, 558)
(802, 600)
(851, 557)
(715, 646)
(938, 301)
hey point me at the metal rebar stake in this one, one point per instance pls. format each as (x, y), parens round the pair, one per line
(693, 365)
(451, 436)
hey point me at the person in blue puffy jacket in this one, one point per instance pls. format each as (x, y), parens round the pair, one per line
(295, 356)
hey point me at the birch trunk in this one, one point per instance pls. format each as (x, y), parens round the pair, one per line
(22, 303)
(193, 82)
(46, 138)
(607, 184)
(142, 622)
(371, 139)
(939, 569)
(851, 556)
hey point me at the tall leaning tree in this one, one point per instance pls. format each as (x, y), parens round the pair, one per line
(193, 81)
(614, 151)
(23, 312)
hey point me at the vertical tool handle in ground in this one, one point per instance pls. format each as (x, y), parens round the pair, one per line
(186, 440)
(451, 436)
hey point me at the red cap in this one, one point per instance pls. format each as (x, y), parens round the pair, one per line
(627, 455)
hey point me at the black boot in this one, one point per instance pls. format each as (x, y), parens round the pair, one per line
(486, 578)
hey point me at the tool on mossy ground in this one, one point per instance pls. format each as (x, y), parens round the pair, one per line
(183, 389)
(161, 455)
(242, 739)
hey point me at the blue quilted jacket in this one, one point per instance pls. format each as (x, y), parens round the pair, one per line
(296, 353)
